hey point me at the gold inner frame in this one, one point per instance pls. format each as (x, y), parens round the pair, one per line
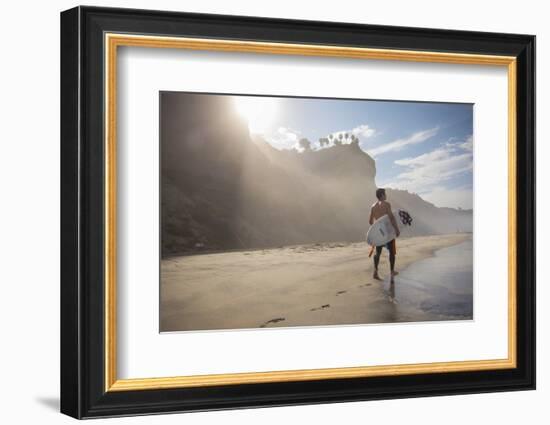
(113, 41)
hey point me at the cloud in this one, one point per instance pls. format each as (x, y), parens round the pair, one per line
(465, 143)
(284, 138)
(397, 145)
(454, 198)
(363, 131)
(468, 144)
(432, 168)
(288, 138)
(427, 174)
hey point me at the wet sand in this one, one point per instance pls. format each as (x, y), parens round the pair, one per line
(305, 285)
(440, 286)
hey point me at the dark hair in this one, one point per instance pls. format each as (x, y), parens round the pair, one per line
(380, 193)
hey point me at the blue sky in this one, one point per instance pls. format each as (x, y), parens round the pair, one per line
(425, 148)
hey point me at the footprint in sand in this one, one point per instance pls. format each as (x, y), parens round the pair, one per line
(320, 308)
(365, 285)
(276, 320)
(340, 292)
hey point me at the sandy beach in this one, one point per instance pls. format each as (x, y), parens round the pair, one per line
(304, 285)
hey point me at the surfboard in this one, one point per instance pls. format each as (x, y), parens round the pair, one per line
(382, 231)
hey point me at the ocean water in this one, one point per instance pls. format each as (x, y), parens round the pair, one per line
(436, 288)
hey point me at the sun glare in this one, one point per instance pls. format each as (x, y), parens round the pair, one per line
(259, 112)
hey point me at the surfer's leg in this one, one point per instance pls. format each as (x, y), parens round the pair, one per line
(392, 259)
(392, 262)
(376, 261)
(377, 257)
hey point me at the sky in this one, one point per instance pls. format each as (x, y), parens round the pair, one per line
(425, 148)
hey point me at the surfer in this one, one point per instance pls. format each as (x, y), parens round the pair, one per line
(379, 209)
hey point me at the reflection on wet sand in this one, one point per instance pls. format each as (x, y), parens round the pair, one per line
(435, 288)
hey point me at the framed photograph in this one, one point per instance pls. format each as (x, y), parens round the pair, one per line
(260, 212)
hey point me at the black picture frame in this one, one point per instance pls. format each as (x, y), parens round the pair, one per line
(83, 392)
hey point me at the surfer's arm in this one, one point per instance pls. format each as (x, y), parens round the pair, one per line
(371, 218)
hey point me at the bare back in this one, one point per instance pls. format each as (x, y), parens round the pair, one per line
(380, 209)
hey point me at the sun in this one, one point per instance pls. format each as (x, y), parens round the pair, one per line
(259, 112)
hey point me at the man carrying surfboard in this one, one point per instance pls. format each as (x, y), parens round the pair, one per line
(378, 210)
